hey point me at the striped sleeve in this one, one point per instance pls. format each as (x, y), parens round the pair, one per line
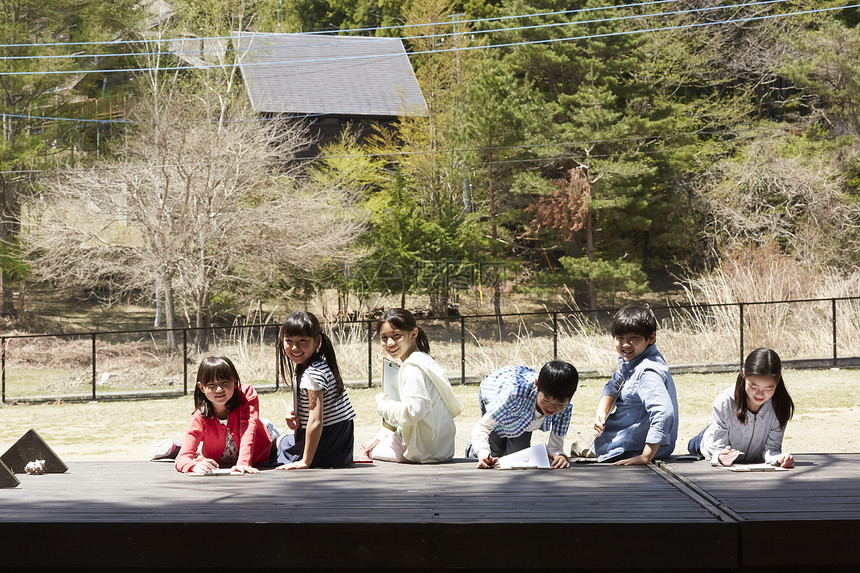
(319, 376)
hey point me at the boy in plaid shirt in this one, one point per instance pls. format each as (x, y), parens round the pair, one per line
(515, 401)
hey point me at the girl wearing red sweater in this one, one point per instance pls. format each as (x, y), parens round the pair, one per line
(226, 422)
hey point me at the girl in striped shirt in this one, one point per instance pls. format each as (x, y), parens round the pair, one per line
(323, 423)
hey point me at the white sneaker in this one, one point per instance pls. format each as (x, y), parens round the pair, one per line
(160, 449)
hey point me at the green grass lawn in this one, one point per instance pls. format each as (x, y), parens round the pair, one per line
(826, 420)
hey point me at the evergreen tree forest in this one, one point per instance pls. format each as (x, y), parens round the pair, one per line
(604, 148)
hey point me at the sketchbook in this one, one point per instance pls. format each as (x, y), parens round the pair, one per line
(535, 457)
(218, 472)
(753, 468)
(390, 372)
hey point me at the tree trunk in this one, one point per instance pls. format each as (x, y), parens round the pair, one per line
(7, 307)
(158, 306)
(202, 322)
(497, 288)
(437, 300)
(9, 227)
(589, 248)
(169, 315)
(497, 307)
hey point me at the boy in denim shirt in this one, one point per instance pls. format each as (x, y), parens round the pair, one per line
(644, 425)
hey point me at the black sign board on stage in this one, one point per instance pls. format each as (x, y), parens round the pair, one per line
(29, 448)
(7, 477)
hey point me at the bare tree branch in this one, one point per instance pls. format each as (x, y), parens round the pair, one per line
(211, 199)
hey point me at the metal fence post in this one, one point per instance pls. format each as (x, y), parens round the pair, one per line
(833, 317)
(369, 353)
(462, 349)
(3, 368)
(555, 336)
(94, 365)
(741, 307)
(277, 363)
(185, 362)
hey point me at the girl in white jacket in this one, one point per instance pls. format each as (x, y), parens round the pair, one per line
(749, 420)
(420, 424)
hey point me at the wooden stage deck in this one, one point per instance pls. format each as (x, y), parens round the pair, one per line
(678, 515)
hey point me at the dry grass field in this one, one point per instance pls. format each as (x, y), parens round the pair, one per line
(828, 401)
(827, 417)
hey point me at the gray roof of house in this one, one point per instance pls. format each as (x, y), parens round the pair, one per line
(322, 74)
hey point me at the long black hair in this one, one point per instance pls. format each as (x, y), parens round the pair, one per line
(402, 319)
(306, 324)
(764, 362)
(211, 369)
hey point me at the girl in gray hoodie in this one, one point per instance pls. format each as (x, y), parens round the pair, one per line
(749, 420)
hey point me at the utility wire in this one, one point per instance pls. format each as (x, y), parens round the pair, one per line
(132, 122)
(325, 32)
(419, 37)
(507, 45)
(46, 118)
(456, 49)
(552, 40)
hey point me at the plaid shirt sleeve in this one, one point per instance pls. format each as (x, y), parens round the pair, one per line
(510, 391)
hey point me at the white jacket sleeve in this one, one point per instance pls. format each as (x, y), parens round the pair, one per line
(481, 435)
(555, 444)
(414, 404)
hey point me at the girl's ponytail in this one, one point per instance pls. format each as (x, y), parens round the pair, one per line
(422, 341)
(326, 350)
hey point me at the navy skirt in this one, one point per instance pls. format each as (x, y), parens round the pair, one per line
(334, 449)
